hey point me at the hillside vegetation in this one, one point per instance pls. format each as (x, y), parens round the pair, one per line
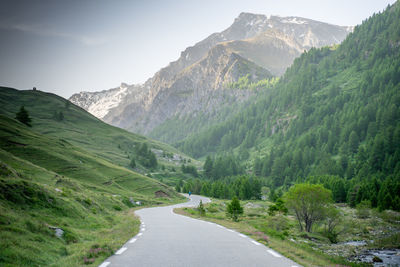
(82, 129)
(64, 176)
(333, 118)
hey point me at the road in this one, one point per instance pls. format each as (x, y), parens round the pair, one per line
(169, 239)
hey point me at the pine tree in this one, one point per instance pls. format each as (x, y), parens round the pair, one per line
(23, 116)
(132, 164)
(208, 166)
(178, 188)
(234, 209)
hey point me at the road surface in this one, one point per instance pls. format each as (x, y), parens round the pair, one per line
(169, 239)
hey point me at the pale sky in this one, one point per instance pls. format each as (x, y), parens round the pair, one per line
(70, 46)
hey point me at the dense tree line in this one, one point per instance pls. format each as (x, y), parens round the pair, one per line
(336, 112)
(381, 194)
(242, 187)
(144, 155)
(189, 169)
(222, 166)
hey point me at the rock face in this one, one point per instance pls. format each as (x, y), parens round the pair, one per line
(254, 44)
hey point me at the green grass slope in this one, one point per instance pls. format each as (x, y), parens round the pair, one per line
(79, 128)
(58, 155)
(70, 175)
(46, 182)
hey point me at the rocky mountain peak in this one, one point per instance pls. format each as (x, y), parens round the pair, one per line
(255, 45)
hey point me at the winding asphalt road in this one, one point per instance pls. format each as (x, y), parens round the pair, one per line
(169, 239)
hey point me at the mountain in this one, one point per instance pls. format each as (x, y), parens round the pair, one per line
(332, 118)
(194, 84)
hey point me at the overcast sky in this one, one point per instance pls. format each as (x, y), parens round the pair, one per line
(65, 47)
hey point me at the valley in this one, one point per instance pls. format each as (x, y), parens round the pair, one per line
(288, 125)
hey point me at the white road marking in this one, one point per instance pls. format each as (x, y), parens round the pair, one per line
(220, 226)
(230, 230)
(121, 250)
(274, 253)
(254, 242)
(104, 264)
(242, 235)
(139, 234)
(133, 240)
(143, 229)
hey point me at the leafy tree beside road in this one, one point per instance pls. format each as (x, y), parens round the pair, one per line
(309, 202)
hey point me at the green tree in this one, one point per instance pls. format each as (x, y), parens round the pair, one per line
(132, 164)
(353, 142)
(332, 221)
(234, 210)
(309, 203)
(23, 116)
(58, 116)
(178, 187)
(208, 166)
(152, 160)
(279, 206)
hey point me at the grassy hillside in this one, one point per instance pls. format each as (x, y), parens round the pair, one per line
(335, 112)
(80, 128)
(57, 175)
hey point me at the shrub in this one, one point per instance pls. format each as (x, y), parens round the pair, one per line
(278, 222)
(363, 209)
(96, 251)
(70, 237)
(213, 208)
(116, 207)
(201, 209)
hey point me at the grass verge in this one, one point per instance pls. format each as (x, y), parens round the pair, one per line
(254, 225)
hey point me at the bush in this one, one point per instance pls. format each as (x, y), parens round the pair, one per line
(363, 209)
(201, 209)
(96, 251)
(279, 206)
(70, 237)
(278, 222)
(213, 208)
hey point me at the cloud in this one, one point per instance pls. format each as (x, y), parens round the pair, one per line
(34, 29)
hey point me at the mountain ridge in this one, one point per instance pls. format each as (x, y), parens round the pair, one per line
(244, 38)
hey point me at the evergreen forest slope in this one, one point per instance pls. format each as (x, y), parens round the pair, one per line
(336, 112)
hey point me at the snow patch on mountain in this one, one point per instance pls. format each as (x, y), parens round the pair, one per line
(104, 104)
(294, 21)
(100, 103)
